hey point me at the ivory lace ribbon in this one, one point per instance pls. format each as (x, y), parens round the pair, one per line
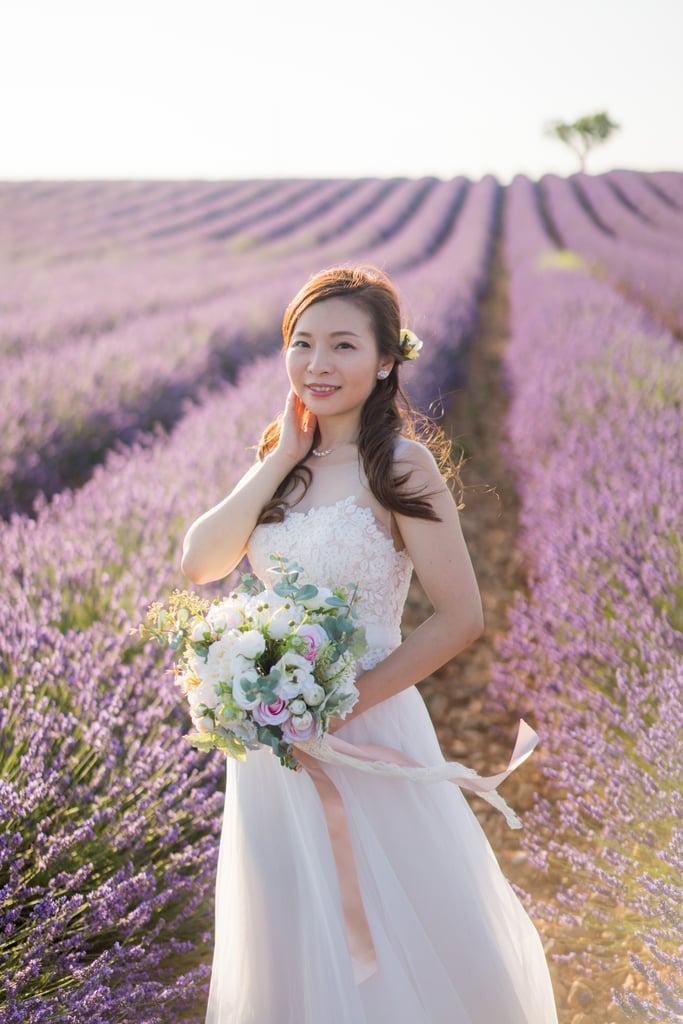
(377, 760)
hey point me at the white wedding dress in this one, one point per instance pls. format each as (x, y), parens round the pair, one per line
(453, 943)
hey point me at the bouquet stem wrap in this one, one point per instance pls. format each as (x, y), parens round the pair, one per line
(378, 760)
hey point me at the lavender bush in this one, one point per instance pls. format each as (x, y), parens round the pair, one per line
(624, 219)
(110, 822)
(594, 649)
(443, 292)
(650, 272)
(105, 864)
(59, 416)
(641, 194)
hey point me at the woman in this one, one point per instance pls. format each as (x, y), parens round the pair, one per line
(412, 921)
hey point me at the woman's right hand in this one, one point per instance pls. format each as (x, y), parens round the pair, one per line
(296, 430)
(217, 540)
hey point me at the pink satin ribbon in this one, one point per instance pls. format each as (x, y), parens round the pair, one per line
(358, 935)
(396, 764)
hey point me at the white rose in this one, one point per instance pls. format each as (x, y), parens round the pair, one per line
(244, 680)
(297, 707)
(313, 695)
(259, 607)
(295, 675)
(271, 612)
(204, 694)
(250, 644)
(225, 614)
(218, 666)
(202, 723)
(208, 673)
(200, 631)
(301, 722)
(279, 624)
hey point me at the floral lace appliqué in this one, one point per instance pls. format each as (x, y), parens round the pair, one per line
(337, 545)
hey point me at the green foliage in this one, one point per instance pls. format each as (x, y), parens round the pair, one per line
(584, 133)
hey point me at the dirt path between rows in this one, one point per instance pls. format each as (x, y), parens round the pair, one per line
(456, 695)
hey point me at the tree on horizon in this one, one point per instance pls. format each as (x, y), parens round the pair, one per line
(583, 134)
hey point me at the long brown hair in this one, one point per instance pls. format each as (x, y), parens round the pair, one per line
(387, 412)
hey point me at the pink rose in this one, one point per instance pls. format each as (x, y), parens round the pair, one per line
(271, 714)
(315, 638)
(299, 727)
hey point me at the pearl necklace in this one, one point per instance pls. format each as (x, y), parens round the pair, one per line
(328, 451)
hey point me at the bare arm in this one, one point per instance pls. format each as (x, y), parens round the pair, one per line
(217, 540)
(444, 568)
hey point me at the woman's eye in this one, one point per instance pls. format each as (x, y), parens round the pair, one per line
(344, 344)
(299, 343)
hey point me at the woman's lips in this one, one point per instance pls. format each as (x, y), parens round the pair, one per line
(322, 390)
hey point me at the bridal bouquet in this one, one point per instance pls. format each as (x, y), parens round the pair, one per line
(262, 666)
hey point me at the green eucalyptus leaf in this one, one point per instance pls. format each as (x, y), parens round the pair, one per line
(233, 747)
(269, 739)
(283, 589)
(200, 648)
(201, 740)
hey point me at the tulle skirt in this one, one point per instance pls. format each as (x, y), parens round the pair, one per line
(454, 944)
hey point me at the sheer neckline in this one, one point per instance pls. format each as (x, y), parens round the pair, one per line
(352, 501)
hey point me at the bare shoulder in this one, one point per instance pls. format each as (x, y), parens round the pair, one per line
(415, 458)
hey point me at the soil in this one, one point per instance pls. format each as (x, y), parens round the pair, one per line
(456, 695)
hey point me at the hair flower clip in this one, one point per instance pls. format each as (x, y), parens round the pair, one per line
(410, 344)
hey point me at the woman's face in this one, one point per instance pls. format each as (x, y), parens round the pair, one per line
(332, 358)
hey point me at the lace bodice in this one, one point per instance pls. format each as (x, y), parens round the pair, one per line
(337, 545)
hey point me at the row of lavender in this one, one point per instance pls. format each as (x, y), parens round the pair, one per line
(109, 824)
(628, 232)
(594, 650)
(76, 258)
(135, 333)
(109, 839)
(121, 364)
(68, 393)
(78, 221)
(89, 289)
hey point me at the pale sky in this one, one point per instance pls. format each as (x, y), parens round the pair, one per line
(215, 89)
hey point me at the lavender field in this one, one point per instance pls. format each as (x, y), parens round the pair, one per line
(139, 347)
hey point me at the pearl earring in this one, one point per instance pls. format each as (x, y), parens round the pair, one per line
(383, 374)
